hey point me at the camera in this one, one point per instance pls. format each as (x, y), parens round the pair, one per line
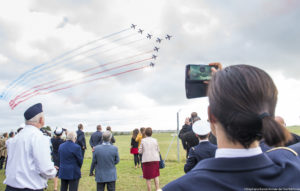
(195, 78)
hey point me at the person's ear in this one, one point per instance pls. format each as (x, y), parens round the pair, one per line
(212, 121)
(41, 121)
(211, 117)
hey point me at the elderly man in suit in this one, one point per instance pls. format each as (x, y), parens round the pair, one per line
(70, 163)
(105, 158)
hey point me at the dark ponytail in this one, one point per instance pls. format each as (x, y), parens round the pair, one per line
(273, 133)
(243, 99)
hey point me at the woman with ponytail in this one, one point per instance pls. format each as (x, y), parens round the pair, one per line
(242, 102)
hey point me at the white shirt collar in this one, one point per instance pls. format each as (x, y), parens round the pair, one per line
(233, 153)
(206, 140)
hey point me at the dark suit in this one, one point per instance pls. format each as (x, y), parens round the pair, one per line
(70, 163)
(105, 158)
(275, 169)
(96, 139)
(81, 141)
(202, 151)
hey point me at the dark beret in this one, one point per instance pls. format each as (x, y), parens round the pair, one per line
(33, 111)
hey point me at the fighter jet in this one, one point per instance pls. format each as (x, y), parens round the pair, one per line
(168, 37)
(154, 56)
(156, 49)
(149, 36)
(158, 40)
(152, 64)
(133, 26)
(141, 31)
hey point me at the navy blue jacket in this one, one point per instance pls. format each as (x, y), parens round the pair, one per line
(105, 157)
(202, 151)
(70, 161)
(56, 142)
(274, 169)
(96, 139)
(81, 139)
(296, 147)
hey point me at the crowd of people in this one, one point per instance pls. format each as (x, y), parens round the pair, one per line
(241, 146)
(31, 158)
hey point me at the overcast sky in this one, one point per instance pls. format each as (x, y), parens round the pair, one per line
(255, 32)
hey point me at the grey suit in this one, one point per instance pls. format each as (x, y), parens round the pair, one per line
(105, 157)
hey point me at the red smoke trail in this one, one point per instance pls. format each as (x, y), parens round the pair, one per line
(67, 81)
(78, 83)
(86, 70)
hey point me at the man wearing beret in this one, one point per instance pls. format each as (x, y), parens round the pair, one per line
(29, 164)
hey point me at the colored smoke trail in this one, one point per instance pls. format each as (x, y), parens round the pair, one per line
(79, 83)
(68, 81)
(83, 71)
(36, 68)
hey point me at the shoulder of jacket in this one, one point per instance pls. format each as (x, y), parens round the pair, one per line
(283, 148)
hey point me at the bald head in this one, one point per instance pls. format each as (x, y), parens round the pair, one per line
(280, 120)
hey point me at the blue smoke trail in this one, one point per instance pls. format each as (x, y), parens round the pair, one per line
(27, 73)
(68, 61)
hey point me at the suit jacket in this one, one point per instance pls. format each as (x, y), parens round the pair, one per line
(105, 157)
(81, 139)
(202, 151)
(96, 139)
(70, 161)
(274, 169)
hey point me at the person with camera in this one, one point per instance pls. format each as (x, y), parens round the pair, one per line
(56, 142)
(242, 102)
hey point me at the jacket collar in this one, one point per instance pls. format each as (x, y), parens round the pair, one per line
(235, 164)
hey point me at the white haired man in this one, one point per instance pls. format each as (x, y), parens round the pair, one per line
(70, 163)
(29, 164)
(105, 157)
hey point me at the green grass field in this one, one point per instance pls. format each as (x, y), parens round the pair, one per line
(129, 178)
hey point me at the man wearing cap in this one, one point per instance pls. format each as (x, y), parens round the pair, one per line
(204, 149)
(29, 164)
